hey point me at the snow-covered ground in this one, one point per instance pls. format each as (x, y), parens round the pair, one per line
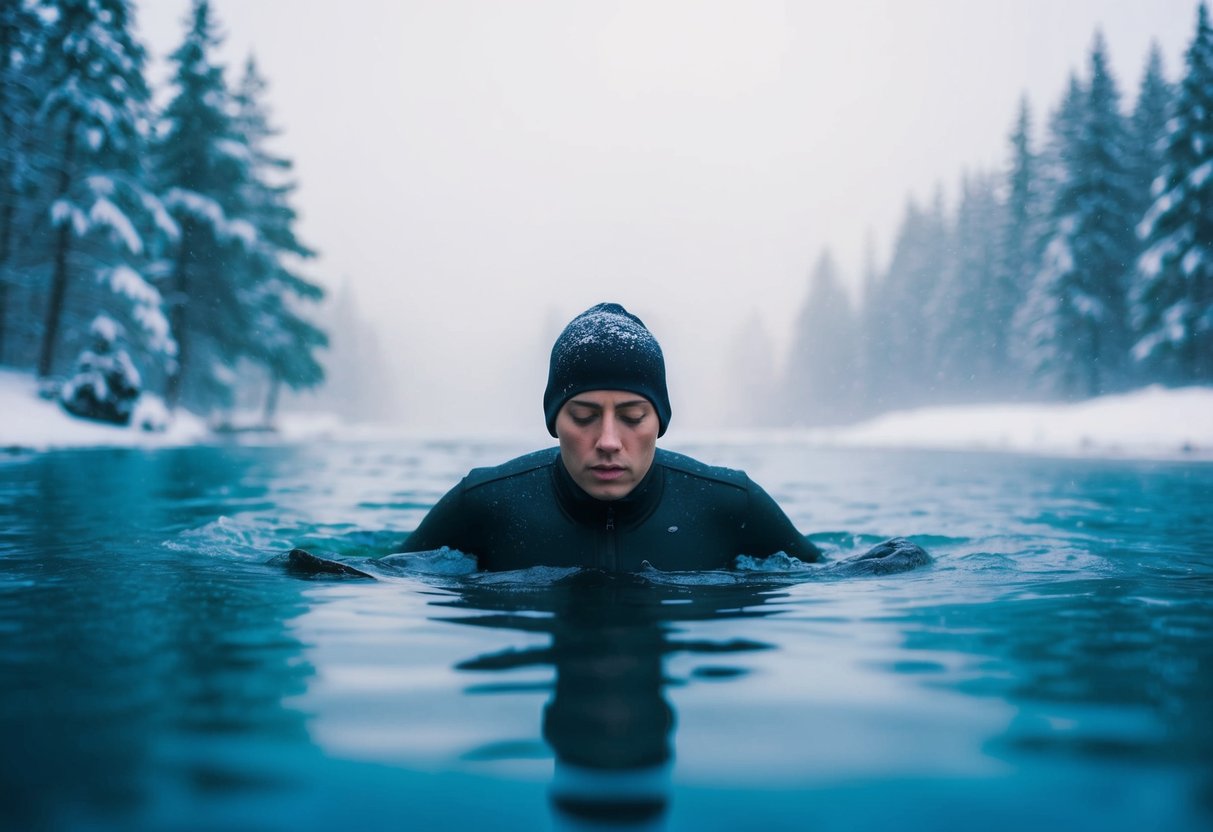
(1153, 422)
(29, 421)
(1150, 423)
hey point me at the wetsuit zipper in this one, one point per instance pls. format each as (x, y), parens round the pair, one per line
(611, 561)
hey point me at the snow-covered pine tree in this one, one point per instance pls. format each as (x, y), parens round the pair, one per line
(880, 336)
(1078, 310)
(964, 304)
(1106, 244)
(1018, 251)
(21, 34)
(1148, 128)
(282, 339)
(356, 364)
(104, 222)
(899, 335)
(202, 167)
(1037, 321)
(1057, 158)
(105, 385)
(1173, 293)
(821, 365)
(866, 359)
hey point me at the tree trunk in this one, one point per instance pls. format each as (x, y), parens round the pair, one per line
(6, 240)
(3, 310)
(8, 196)
(54, 306)
(177, 318)
(271, 400)
(1200, 370)
(63, 242)
(1094, 371)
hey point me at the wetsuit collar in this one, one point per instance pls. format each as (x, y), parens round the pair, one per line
(627, 511)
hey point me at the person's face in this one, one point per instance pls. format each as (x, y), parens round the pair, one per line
(607, 441)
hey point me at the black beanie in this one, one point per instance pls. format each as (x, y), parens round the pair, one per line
(606, 348)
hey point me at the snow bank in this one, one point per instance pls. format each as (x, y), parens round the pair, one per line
(28, 421)
(1153, 423)
(1150, 423)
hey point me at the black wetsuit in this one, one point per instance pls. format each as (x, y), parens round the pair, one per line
(684, 515)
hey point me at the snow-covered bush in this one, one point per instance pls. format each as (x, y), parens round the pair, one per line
(49, 388)
(151, 414)
(106, 384)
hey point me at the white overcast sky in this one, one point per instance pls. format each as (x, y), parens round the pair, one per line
(480, 171)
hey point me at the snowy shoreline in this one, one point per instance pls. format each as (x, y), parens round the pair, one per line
(1151, 423)
(30, 422)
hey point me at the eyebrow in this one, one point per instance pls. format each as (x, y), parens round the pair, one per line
(596, 406)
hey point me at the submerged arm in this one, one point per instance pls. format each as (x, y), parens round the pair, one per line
(770, 530)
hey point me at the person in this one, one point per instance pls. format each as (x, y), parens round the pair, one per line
(607, 497)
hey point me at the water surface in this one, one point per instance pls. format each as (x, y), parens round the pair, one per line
(1053, 667)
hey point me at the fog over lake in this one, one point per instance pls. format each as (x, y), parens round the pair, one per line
(479, 172)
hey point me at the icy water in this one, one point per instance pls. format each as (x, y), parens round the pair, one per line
(1052, 669)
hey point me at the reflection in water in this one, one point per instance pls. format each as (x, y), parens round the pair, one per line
(608, 721)
(1107, 669)
(138, 682)
(1052, 670)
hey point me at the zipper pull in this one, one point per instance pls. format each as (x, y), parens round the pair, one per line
(610, 524)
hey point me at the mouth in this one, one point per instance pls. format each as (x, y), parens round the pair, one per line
(607, 473)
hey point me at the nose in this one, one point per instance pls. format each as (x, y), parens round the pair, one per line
(608, 438)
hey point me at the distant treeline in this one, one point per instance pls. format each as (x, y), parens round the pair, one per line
(1086, 267)
(172, 228)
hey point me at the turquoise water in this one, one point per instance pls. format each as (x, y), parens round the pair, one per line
(1053, 668)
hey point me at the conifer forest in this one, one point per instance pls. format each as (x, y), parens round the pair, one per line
(1085, 267)
(144, 248)
(148, 237)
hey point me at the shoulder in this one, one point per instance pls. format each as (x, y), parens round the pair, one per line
(695, 469)
(519, 467)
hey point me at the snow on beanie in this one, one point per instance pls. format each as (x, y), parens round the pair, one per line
(606, 348)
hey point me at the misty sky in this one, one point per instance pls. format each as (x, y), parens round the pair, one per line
(481, 171)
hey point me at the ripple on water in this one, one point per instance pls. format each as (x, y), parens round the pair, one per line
(1057, 638)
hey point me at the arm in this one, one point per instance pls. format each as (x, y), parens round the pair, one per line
(445, 525)
(769, 530)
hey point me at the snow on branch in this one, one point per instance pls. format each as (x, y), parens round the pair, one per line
(64, 212)
(100, 184)
(103, 214)
(1192, 262)
(233, 150)
(209, 211)
(160, 216)
(147, 306)
(1088, 305)
(1172, 330)
(1161, 206)
(106, 214)
(1150, 263)
(105, 328)
(1198, 177)
(103, 115)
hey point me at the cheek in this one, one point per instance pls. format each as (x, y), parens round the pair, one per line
(644, 440)
(572, 440)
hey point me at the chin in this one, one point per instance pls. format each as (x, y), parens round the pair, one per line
(608, 492)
